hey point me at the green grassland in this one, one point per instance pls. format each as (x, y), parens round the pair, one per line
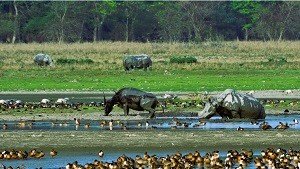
(221, 65)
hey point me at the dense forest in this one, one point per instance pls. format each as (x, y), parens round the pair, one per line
(184, 21)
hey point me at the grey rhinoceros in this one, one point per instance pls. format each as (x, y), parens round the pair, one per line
(141, 61)
(231, 104)
(43, 60)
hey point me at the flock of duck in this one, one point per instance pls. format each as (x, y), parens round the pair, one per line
(268, 158)
(22, 155)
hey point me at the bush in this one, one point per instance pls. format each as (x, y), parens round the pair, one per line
(277, 60)
(63, 61)
(183, 59)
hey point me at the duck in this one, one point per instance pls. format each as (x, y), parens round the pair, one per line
(147, 124)
(4, 126)
(240, 129)
(87, 125)
(77, 121)
(139, 124)
(53, 153)
(110, 124)
(32, 153)
(22, 124)
(40, 154)
(282, 126)
(265, 126)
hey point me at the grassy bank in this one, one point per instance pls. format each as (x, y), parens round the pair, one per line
(221, 65)
(175, 80)
(151, 139)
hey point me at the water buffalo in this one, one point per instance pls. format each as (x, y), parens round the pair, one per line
(43, 60)
(131, 98)
(231, 104)
(142, 61)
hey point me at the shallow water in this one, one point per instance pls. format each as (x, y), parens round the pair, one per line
(163, 123)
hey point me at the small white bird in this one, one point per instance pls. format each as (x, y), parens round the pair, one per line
(62, 100)
(296, 121)
(45, 101)
(101, 153)
(110, 124)
(288, 91)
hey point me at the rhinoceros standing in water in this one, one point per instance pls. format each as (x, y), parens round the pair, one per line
(43, 60)
(142, 61)
(131, 98)
(231, 104)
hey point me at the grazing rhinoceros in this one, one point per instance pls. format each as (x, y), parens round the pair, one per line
(231, 104)
(43, 60)
(142, 61)
(131, 98)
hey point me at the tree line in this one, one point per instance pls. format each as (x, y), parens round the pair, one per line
(184, 21)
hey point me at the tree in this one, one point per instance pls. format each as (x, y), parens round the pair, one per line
(274, 22)
(100, 11)
(252, 11)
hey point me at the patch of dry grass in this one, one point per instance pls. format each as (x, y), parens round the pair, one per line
(150, 139)
(231, 52)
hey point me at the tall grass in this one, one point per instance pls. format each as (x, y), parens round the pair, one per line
(113, 51)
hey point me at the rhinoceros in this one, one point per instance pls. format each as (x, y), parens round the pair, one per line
(132, 98)
(43, 60)
(231, 104)
(141, 61)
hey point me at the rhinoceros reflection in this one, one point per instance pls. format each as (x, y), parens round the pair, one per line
(231, 104)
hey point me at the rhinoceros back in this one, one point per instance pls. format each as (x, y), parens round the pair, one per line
(43, 60)
(246, 105)
(137, 61)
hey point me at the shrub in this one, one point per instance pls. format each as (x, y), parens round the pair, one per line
(63, 61)
(183, 59)
(277, 60)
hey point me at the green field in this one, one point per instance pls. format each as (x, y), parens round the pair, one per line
(239, 65)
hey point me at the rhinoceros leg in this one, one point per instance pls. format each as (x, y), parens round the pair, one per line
(235, 114)
(147, 104)
(126, 109)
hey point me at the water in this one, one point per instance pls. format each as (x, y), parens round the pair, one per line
(159, 123)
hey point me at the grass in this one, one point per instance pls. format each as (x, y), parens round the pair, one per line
(156, 80)
(149, 140)
(239, 65)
